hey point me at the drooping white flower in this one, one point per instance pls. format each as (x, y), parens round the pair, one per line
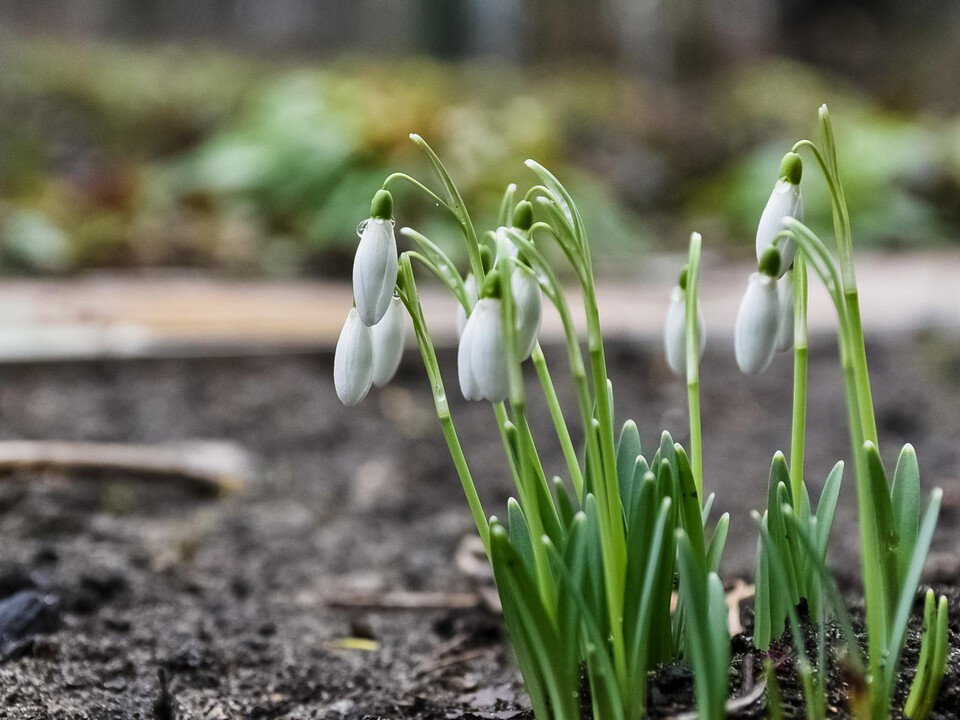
(353, 361)
(481, 357)
(785, 200)
(675, 332)
(785, 303)
(375, 264)
(388, 338)
(470, 283)
(758, 320)
(528, 306)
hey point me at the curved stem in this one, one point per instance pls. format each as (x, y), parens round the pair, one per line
(419, 186)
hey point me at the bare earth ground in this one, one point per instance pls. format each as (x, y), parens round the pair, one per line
(140, 599)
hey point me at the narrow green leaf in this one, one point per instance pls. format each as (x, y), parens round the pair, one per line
(719, 642)
(565, 505)
(507, 203)
(642, 642)
(628, 451)
(519, 533)
(905, 495)
(717, 543)
(515, 583)
(599, 663)
(922, 676)
(689, 502)
(827, 507)
(880, 492)
(829, 588)
(707, 509)
(911, 580)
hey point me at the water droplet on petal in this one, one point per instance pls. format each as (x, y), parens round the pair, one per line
(362, 226)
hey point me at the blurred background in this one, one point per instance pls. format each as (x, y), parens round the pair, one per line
(244, 138)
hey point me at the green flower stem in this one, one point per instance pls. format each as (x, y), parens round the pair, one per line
(410, 298)
(612, 530)
(559, 424)
(693, 364)
(800, 352)
(419, 185)
(874, 580)
(457, 207)
(612, 536)
(528, 453)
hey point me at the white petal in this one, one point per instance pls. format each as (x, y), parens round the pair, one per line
(675, 332)
(353, 361)
(528, 302)
(488, 357)
(468, 382)
(470, 283)
(375, 270)
(388, 339)
(785, 200)
(785, 303)
(758, 320)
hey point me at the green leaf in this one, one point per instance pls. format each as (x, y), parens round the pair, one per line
(689, 500)
(911, 580)
(565, 506)
(519, 533)
(600, 667)
(628, 451)
(717, 543)
(518, 589)
(827, 507)
(905, 495)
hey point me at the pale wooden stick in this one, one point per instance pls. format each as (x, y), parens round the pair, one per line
(210, 464)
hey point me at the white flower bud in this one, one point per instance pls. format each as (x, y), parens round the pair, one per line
(675, 332)
(470, 283)
(785, 302)
(353, 361)
(528, 304)
(785, 200)
(758, 321)
(388, 339)
(375, 270)
(481, 357)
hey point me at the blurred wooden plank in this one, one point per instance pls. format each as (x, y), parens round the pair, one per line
(121, 316)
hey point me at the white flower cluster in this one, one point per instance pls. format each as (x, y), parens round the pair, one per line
(766, 316)
(371, 342)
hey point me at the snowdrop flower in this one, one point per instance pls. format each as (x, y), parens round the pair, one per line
(785, 303)
(785, 200)
(353, 361)
(375, 264)
(482, 357)
(528, 303)
(675, 332)
(758, 320)
(470, 283)
(388, 337)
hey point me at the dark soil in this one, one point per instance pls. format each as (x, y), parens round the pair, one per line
(128, 598)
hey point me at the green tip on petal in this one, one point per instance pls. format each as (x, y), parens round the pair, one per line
(682, 281)
(491, 286)
(770, 262)
(381, 207)
(523, 215)
(791, 168)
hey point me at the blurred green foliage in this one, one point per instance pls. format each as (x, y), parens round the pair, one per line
(118, 157)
